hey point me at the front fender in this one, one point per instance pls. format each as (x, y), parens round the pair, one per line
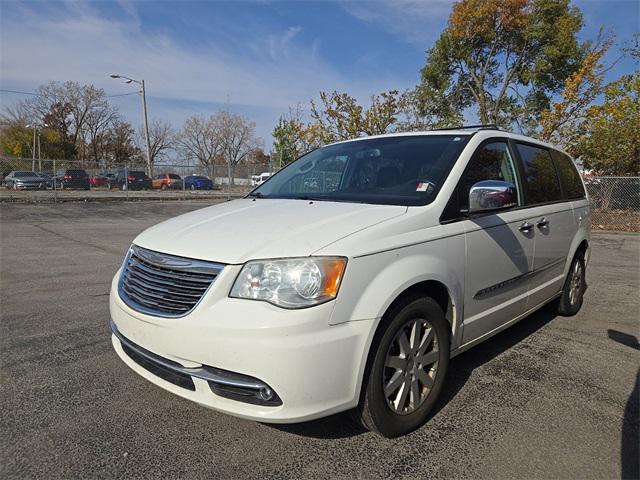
(373, 282)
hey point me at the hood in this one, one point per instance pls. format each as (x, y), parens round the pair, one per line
(247, 229)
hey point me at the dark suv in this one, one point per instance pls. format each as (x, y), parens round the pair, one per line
(71, 178)
(131, 180)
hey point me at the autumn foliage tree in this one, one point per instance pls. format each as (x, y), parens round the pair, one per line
(610, 143)
(506, 58)
(561, 123)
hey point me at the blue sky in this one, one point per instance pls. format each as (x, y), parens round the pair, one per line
(254, 58)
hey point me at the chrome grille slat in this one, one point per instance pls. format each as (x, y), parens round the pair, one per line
(165, 290)
(157, 296)
(168, 273)
(164, 285)
(156, 281)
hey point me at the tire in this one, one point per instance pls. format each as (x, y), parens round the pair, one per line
(395, 413)
(193, 188)
(163, 186)
(574, 287)
(124, 187)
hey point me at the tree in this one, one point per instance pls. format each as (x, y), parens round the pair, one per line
(118, 145)
(289, 137)
(238, 139)
(562, 121)
(610, 144)
(491, 49)
(67, 107)
(97, 126)
(422, 110)
(162, 138)
(201, 139)
(340, 117)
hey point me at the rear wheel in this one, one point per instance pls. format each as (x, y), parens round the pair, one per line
(575, 285)
(163, 187)
(406, 368)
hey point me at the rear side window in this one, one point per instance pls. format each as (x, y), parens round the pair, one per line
(540, 175)
(569, 175)
(77, 173)
(491, 161)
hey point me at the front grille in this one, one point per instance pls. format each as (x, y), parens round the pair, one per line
(164, 285)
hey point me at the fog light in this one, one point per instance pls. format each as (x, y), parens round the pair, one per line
(266, 394)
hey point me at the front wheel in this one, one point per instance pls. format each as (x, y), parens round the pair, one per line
(406, 368)
(575, 285)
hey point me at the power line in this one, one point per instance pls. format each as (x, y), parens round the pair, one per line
(39, 95)
(123, 94)
(16, 91)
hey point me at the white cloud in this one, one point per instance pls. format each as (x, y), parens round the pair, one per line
(78, 44)
(74, 41)
(417, 22)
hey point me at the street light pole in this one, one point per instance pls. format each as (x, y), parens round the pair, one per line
(146, 130)
(144, 115)
(39, 154)
(33, 156)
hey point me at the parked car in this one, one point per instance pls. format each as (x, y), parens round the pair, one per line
(22, 180)
(293, 304)
(199, 182)
(100, 180)
(48, 179)
(166, 181)
(131, 180)
(74, 178)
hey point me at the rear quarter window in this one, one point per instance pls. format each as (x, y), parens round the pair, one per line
(569, 176)
(540, 175)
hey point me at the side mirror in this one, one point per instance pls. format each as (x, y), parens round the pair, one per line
(490, 195)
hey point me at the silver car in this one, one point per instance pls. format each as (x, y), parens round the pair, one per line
(22, 180)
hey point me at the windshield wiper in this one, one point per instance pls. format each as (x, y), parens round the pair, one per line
(255, 195)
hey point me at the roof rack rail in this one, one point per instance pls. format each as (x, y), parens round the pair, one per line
(482, 126)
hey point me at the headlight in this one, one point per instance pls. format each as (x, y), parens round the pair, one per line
(291, 282)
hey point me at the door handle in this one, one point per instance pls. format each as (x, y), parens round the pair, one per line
(543, 223)
(525, 227)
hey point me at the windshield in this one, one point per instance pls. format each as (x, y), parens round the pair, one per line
(403, 170)
(25, 174)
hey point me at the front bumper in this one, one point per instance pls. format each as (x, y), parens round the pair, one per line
(315, 369)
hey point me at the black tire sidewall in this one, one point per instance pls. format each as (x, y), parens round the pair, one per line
(376, 413)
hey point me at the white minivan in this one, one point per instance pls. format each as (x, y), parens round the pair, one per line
(349, 279)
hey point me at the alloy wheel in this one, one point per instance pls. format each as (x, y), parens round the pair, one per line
(410, 366)
(576, 282)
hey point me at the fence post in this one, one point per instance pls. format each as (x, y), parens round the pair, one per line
(126, 183)
(55, 191)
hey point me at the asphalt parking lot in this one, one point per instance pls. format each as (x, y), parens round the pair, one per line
(551, 397)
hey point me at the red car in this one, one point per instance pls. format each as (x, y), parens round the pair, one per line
(98, 181)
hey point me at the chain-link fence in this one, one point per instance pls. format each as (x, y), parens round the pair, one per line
(615, 203)
(108, 180)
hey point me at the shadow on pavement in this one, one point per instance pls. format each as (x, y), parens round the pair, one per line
(460, 369)
(623, 338)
